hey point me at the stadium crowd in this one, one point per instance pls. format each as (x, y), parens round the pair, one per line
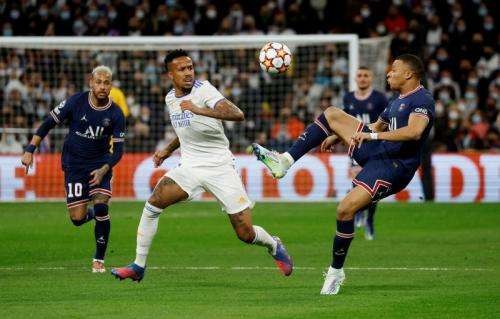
(457, 39)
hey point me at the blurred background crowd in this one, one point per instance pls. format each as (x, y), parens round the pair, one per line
(457, 39)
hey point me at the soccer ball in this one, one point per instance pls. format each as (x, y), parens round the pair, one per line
(275, 57)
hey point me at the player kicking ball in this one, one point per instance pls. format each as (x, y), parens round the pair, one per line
(94, 120)
(196, 111)
(388, 151)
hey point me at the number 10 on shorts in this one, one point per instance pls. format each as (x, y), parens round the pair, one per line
(74, 190)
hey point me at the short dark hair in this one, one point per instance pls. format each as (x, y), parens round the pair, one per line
(363, 67)
(173, 55)
(415, 64)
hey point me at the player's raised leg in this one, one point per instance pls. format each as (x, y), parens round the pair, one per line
(256, 235)
(167, 192)
(332, 121)
(355, 200)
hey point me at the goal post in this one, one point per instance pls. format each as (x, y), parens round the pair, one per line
(37, 73)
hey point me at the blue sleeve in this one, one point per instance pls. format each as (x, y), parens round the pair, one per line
(116, 155)
(118, 138)
(63, 111)
(119, 128)
(423, 110)
(47, 124)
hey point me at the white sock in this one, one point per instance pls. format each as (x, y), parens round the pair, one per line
(288, 158)
(262, 238)
(146, 232)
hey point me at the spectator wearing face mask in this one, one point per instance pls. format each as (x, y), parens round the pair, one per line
(477, 131)
(490, 60)
(446, 89)
(453, 133)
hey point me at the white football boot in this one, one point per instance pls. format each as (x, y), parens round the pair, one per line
(333, 280)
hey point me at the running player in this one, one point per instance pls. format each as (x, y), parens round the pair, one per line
(196, 111)
(94, 122)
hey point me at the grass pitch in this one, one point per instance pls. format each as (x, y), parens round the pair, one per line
(427, 261)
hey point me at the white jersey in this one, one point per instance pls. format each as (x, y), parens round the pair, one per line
(202, 139)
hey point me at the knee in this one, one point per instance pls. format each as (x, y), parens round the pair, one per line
(78, 216)
(156, 201)
(246, 234)
(345, 210)
(78, 222)
(332, 113)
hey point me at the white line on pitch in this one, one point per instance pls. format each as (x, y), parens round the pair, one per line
(263, 268)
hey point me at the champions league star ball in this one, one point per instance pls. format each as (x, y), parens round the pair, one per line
(275, 57)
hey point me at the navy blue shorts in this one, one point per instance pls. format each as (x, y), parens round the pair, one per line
(78, 190)
(381, 176)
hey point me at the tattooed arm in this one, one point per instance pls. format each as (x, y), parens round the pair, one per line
(161, 155)
(223, 110)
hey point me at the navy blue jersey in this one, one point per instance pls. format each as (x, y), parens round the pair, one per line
(91, 129)
(396, 115)
(366, 110)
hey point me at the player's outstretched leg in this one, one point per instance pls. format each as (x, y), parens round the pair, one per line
(256, 235)
(166, 193)
(332, 121)
(356, 199)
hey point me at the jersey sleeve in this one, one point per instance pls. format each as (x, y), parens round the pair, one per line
(210, 95)
(421, 110)
(119, 127)
(63, 111)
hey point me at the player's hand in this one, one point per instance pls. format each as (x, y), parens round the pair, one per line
(27, 160)
(329, 143)
(98, 174)
(160, 156)
(359, 137)
(187, 105)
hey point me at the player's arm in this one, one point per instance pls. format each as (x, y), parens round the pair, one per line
(118, 140)
(378, 126)
(161, 155)
(222, 110)
(55, 117)
(412, 132)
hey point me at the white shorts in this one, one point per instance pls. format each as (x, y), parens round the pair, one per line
(223, 182)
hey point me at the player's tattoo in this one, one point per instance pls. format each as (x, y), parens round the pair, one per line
(226, 110)
(100, 198)
(173, 145)
(167, 181)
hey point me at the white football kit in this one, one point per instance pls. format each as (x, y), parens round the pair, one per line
(206, 161)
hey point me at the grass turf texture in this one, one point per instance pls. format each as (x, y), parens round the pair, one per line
(460, 238)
